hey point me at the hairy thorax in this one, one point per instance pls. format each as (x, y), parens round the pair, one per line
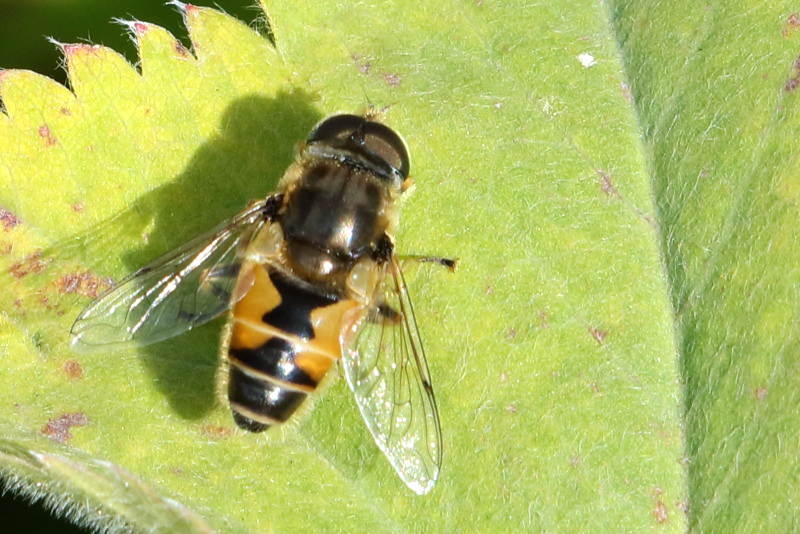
(334, 215)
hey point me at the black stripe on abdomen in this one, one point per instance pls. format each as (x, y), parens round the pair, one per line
(257, 403)
(274, 359)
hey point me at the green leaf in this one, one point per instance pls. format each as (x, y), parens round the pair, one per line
(552, 347)
(66, 479)
(719, 113)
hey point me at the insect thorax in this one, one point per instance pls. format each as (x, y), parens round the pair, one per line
(333, 215)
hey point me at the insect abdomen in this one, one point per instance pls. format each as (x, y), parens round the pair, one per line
(284, 339)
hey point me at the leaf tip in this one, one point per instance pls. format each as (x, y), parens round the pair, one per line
(71, 49)
(136, 28)
(182, 7)
(55, 42)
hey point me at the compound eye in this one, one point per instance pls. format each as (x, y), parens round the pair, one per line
(373, 140)
(387, 145)
(336, 130)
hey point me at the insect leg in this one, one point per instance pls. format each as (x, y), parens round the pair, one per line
(270, 206)
(450, 263)
(383, 250)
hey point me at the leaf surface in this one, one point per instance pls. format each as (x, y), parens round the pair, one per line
(551, 348)
(719, 113)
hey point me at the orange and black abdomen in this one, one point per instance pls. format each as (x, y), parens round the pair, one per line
(284, 339)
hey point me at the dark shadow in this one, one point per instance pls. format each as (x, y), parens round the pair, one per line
(254, 147)
(34, 516)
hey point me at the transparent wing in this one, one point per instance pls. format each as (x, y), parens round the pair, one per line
(385, 366)
(177, 292)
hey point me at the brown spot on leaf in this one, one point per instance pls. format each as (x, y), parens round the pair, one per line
(667, 434)
(47, 135)
(660, 511)
(58, 428)
(181, 50)
(45, 301)
(793, 82)
(6, 248)
(575, 460)
(649, 219)
(598, 335)
(511, 334)
(362, 64)
(78, 207)
(73, 369)
(391, 79)
(65, 111)
(511, 408)
(761, 393)
(791, 24)
(606, 185)
(8, 220)
(30, 264)
(626, 91)
(215, 431)
(140, 28)
(544, 319)
(85, 283)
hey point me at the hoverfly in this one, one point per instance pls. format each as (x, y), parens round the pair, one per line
(311, 278)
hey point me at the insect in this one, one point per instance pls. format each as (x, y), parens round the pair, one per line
(311, 277)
